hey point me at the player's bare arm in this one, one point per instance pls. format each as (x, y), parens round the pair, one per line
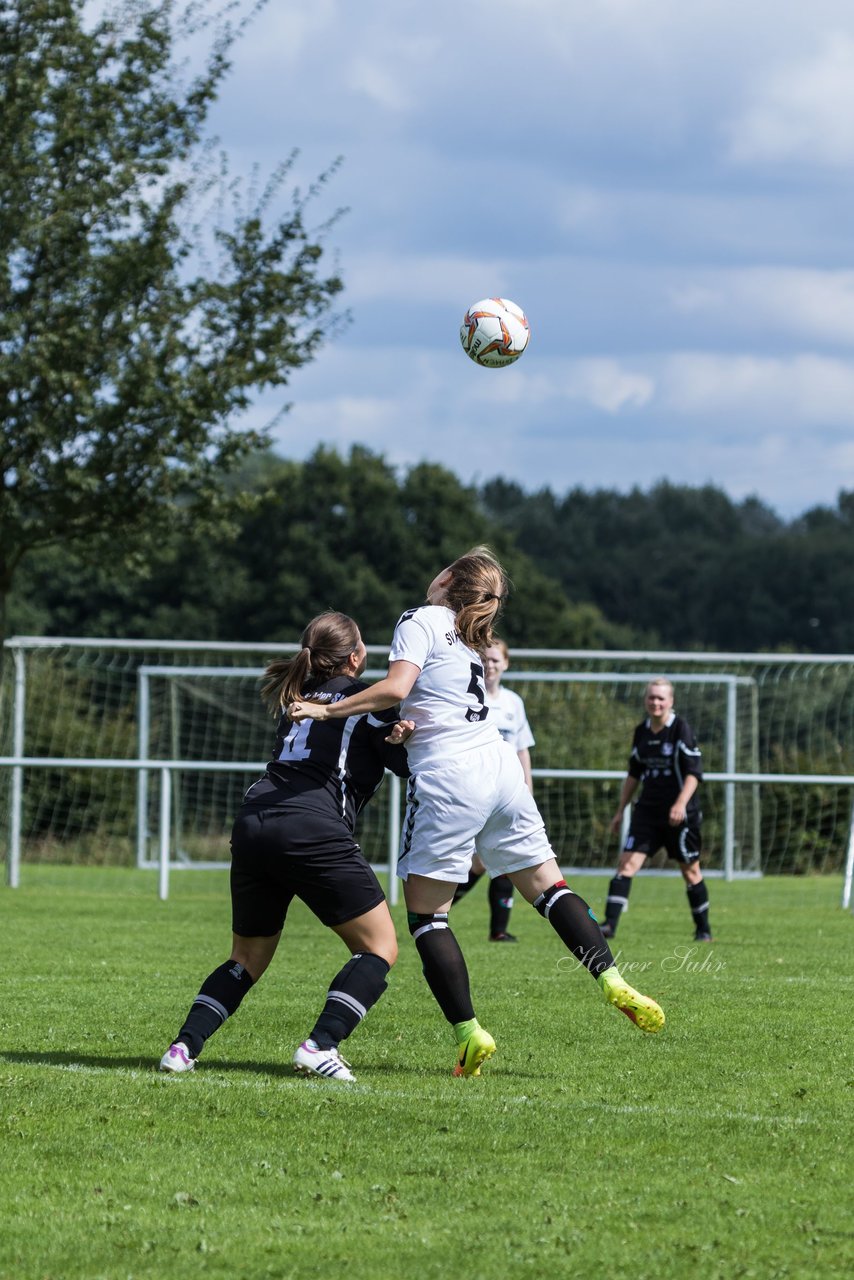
(629, 787)
(386, 693)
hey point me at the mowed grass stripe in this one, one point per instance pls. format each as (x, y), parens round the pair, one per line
(479, 1093)
(720, 1146)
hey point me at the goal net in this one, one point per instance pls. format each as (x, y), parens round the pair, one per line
(88, 728)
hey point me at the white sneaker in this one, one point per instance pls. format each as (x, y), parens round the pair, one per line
(177, 1059)
(311, 1061)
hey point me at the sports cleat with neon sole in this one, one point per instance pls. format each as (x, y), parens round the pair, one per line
(309, 1060)
(472, 1053)
(177, 1059)
(643, 1011)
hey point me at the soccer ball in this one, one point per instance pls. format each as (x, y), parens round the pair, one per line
(494, 332)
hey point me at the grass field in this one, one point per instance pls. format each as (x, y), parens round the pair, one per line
(721, 1148)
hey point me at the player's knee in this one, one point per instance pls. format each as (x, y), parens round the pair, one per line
(425, 922)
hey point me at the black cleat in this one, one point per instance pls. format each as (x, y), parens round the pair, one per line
(503, 937)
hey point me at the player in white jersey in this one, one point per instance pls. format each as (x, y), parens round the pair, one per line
(508, 712)
(467, 795)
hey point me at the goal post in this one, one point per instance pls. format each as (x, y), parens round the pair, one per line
(89, 730)
(179, 685)
(727, 715)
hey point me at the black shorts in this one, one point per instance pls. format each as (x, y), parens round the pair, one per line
(269, 869)
(648, 834)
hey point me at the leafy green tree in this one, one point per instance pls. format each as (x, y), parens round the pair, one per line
(124, 361)
(332, 532)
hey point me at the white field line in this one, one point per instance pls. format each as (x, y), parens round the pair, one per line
(212, 1079)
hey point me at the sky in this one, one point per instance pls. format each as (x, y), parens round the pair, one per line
(666, 189)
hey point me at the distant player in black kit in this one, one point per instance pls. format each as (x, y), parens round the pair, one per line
(665, 762)
(293, 837)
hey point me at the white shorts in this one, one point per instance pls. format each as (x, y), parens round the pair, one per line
(473, 803)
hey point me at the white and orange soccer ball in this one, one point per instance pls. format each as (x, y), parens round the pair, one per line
(494, 332)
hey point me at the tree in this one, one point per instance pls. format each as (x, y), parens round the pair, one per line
(124, 363)
(330, 532)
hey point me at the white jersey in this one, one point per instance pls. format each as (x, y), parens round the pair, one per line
(448, 700)
(507, 710)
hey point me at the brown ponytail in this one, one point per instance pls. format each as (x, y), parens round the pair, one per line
(327, 643)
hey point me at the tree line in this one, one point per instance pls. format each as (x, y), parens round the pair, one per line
(673, 568)
(689, 568)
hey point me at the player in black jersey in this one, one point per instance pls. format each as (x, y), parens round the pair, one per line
(293, 837)
(665, 763)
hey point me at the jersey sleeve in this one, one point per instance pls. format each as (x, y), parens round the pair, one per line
(524, 737)
(635, 762)
(380, 725)
(369, 755)
(413, 639)
(689, 752)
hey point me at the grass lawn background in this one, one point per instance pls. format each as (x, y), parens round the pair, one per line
(720, 1148)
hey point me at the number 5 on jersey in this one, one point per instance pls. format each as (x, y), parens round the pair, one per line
(479, 692)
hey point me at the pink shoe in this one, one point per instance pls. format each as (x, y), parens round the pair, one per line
(177, 1059)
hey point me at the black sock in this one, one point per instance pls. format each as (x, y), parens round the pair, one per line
(698, 901)
(443, 965)
(462, 889)
(617, 899)
(500, 904)
(352, 992)
(220, 997)
(576, 926)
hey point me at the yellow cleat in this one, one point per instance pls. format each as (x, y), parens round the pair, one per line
(643, 1011)
(472, 1053)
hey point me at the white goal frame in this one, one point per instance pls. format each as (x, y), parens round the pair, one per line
(169, 858)
(18, 762)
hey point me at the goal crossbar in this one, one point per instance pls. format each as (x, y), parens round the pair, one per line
(147, 763)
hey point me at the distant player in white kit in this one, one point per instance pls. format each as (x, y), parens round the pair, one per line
(467, 795)
(511, 720)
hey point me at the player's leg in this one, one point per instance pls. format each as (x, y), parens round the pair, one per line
(576, 926)
(435, 856)
(476, 872)
(687, 854)
(444, 967)
(219, 997)
(342, 890)
(353, 991)
(258, 908)
(500, 906)
(631, 862)
(514, 842)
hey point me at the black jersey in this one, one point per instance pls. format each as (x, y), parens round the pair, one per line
(662, 761)
(327, 770)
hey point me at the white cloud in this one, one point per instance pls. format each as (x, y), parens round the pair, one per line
(790, 394)
(811, 305)
(606, 385)
(803, 111)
